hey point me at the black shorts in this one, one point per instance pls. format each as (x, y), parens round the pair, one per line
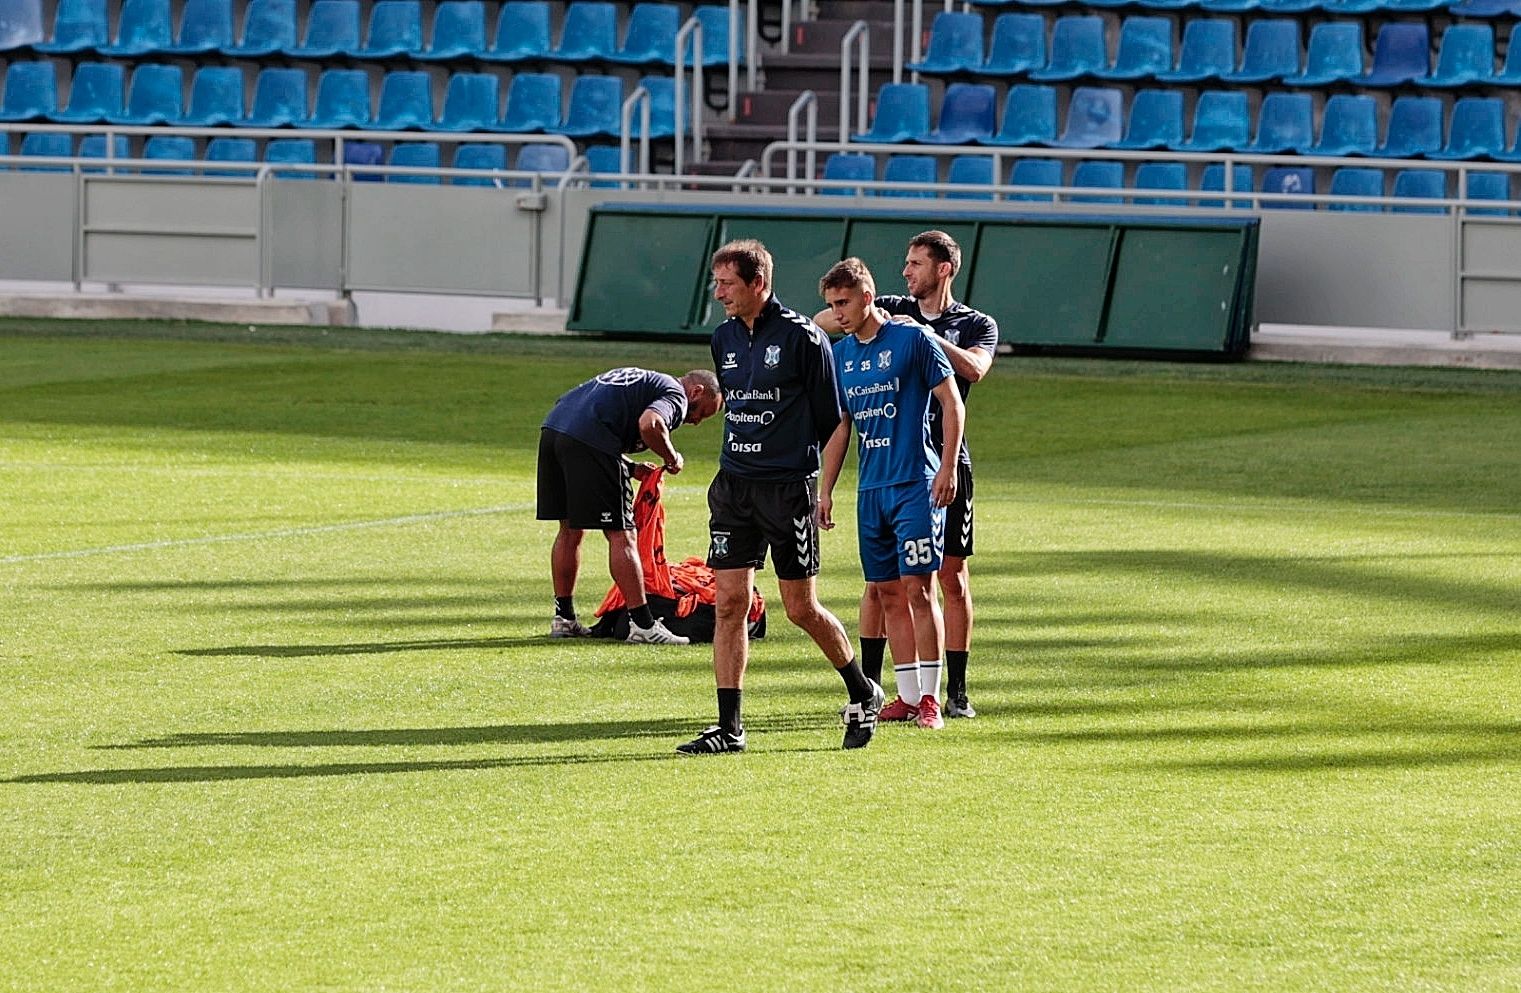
(747, 516)
(587, 489)
(958, 516)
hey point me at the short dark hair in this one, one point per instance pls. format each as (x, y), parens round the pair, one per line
(848, 274)
(749, 259)
(941, 246)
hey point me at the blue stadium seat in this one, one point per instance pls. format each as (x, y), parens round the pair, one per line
(715, 35)
(902, 114)
(205, 26)
(343, 100)
(1488, 186)
(975, 172)
(1229, 6)
(154, 96)
(406, 101)
(1161, 176)
(1094, 118)
(332, 28)
(1335, 55)
(1289, 179)
(1284, 124)
(230, 150)
(1348, 126)
(955, 45)
(848, 165)
(662, 91)
(1077, 49)
(216, 97)
(1401, 53)
(604, 160)
(459, 29)
(522, 33)
(1220, 123)
(93, 146)
(1467, 56)
(589, 33)
(1415, 128)
(144, 27)
(52, 145)
(169, 148)
(596, 107)
(279, 99)
(363, 153)
(95, 94)
(1271, 52)
(1357, 182)
(967, 114)
(1029, 116)
(909, 169)
(1213, 179)
(650, 37)
(269, 26)
(535, 157)
(1018, 45)
(1289, 6)
(291, 151)
(1095, 174)
(479, 156)
(1477, 130)
(1510, 73)
(416, 154)
(1207, 53)
(1035, 172)
(78, 26)
(471, 103)
(395, 29)
(1155, 121)
(1485, 8)
(20, 25)
(1420, 184)
(1145, 49)
(533, 103)
(31, 91)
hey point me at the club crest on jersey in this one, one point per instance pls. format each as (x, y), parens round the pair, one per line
(620, 377)
(720, 545)
(773, 356)
(884, 358)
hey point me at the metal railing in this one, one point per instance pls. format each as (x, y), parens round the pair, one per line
(860, 35)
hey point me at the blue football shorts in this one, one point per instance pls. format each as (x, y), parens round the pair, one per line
(900, 530)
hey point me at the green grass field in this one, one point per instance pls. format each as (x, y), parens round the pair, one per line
(279, 714)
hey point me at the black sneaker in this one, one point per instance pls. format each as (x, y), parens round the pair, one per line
(712, 741)
(861, 719)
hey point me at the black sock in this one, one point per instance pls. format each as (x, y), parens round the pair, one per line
(565, 607)
(871, 657)
(955, 674)
(728, 710)
(856, 683)
(641, 615)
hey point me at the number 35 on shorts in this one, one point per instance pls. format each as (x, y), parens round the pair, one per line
(922, 554)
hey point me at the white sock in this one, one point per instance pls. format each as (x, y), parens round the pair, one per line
(929, 678)
(908, 682)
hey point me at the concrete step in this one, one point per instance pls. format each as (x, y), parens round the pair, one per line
(771, 106)
(823, 37)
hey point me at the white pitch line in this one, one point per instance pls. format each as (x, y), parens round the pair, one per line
(216, 539)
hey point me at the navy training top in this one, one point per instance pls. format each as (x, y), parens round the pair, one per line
(604, 412)
(961, 326)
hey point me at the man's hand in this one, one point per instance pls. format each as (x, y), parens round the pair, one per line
(643, 471)
(826, 512)
(675, 464)
(944, 487)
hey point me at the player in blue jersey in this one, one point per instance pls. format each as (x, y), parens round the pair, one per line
(970, 340)
(583, 479)
(889, 369)
(778, 379)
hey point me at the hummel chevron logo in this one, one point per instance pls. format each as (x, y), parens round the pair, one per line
(802, 532)
(966, 525)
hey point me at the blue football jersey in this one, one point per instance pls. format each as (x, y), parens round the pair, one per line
(885, 386)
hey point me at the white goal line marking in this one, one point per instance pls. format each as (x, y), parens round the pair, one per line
(214, 539)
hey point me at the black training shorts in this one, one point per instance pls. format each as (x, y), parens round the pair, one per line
(587, 489)
(958, 516)
(747, 516)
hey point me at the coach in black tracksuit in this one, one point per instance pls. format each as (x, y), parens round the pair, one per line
(776, 371)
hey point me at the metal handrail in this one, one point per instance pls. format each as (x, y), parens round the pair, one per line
(806, 100)
(860, 32)
(640, 98)
(693, 29)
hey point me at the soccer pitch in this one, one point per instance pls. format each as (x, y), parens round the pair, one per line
(280, 715)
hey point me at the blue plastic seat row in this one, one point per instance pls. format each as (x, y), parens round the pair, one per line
(1096, 118)
(98, 95)
(1401, 52)
(1466, 8)
(590, 30)
(971, 172)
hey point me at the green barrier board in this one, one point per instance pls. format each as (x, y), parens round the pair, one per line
(1174, 289)
(640, 275)
(1044, 284)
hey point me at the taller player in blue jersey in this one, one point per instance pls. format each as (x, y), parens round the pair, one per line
(889, 369)
(778, 379)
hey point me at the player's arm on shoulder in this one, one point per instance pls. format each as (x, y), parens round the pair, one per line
(971, 364)
(827, 322)
(657, 435)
